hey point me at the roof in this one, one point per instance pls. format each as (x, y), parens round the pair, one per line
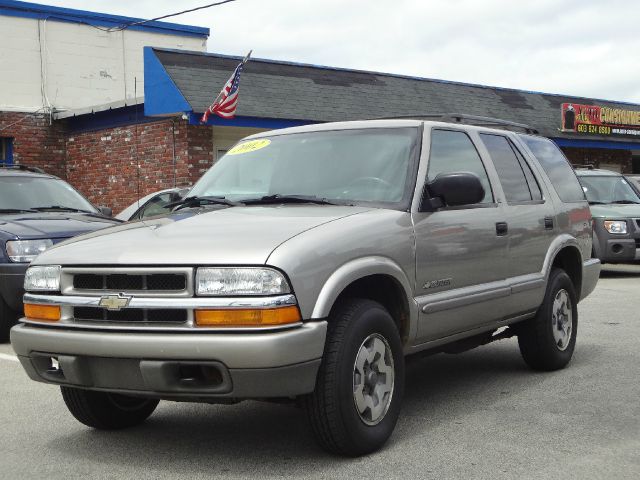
(5, 172)
(596, 172)
(285, 90)
(35, 10)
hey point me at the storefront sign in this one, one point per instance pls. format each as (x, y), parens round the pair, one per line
(594, 120)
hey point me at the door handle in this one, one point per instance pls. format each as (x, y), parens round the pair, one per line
(548, 223)
(502, 228)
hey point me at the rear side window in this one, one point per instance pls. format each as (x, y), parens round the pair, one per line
(557, 168)
(510, 170)
(453, 151)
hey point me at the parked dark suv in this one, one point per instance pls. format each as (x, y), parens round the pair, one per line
(36, 211)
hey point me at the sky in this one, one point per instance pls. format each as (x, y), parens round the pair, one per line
(577, 47)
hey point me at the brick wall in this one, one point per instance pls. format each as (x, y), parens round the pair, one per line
(103, 164)
(600, 157)
(36, 143)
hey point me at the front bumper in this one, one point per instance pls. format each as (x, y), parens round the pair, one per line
(611, 248)
(12, 283)
(198, 366)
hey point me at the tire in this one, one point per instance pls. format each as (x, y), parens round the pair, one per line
(548, 340)
(107, 411)
(350, 372)
(8, 318)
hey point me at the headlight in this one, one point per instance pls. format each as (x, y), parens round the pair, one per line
(615, 226)
(240, 281)
(24, 251)
(42, 279)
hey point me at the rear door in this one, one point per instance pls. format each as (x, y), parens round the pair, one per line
(530, 221)
(461, 253)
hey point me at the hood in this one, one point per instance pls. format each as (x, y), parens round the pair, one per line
(52, 224)
(615, 211)
(236, 235)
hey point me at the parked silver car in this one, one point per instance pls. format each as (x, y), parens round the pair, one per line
(306, 264)
(152, 205)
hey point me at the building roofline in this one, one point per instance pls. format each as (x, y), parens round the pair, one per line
(76, 112)
(15, 8)
(393, 75)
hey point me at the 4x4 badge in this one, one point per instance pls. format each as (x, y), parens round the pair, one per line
(115, 302)
(444, 282)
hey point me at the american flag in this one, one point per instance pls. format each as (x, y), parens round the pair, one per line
(226, 102)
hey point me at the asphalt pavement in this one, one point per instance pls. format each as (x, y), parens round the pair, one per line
(481, 414)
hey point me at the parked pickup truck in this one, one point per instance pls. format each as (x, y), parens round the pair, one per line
(306, 264)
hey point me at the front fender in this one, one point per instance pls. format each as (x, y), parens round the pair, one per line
(357, 269)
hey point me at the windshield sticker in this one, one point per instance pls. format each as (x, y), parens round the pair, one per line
(247, 147)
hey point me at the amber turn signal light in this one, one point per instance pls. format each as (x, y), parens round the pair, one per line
(247, 317)
(46, 313)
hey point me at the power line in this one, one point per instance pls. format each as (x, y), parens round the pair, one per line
(141, 22)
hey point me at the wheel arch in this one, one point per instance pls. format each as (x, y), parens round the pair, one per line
(565, 254)
(375, 278)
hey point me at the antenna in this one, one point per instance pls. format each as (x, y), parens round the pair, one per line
(135, 99)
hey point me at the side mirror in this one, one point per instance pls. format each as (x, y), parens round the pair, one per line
(106, 211)
(452, 189)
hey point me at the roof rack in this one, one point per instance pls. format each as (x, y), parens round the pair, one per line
(468, 120)
(17, 166)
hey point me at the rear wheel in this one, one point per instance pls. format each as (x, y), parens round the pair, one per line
(107, 411)
(8, 319)
(359, 388)
(548, 340)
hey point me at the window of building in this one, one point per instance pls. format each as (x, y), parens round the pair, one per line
(6, 150)
(453, 151)
(510, 171)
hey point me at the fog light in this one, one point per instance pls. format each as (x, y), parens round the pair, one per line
(46, 313)
(247, 317)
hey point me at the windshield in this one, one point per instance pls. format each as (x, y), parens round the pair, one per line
(30, 193)
(347, 166)
(608, 189)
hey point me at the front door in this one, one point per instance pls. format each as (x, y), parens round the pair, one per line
(461, 252)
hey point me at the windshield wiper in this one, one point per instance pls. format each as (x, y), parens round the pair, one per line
(278, 198)
(594, 202)
(196, 201)
(60, 208)
(17, 210)
(625, 202)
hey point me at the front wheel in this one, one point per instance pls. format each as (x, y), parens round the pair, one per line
(107, 411)
(548, 340)
(360, 383)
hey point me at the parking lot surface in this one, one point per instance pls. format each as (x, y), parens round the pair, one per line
(482, 414)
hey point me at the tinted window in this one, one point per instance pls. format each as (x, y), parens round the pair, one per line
(454, 152)
(534, 186)
(509, 169)
(557, 168)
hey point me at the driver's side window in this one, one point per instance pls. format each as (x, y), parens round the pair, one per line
(453, 151)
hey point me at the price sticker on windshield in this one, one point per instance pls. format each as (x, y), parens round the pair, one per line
(250, 146)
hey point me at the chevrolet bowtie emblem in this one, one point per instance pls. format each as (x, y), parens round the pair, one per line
(115, 302)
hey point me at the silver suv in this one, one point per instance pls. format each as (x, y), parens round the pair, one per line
(306, 264)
